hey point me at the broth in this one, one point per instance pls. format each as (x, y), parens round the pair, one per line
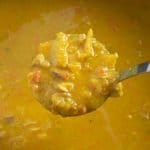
(121, 123)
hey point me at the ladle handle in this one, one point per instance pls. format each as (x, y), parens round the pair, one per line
(133, 71)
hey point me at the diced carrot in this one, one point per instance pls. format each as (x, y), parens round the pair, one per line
(101, 72)
(36, 76)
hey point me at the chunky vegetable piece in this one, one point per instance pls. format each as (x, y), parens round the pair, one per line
(74, 74)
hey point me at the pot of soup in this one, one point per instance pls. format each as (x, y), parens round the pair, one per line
(62, 55)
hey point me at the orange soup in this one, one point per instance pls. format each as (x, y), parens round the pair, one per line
(121, 123)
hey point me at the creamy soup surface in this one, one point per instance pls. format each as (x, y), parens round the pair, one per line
(121, 123)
